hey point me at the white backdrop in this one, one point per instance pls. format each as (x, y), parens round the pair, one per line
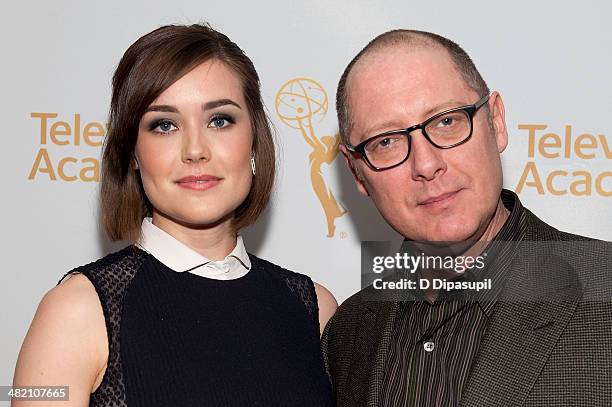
(550, 61)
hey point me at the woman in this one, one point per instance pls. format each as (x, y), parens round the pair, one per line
(184, 316)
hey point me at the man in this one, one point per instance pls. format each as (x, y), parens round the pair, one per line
(422, 135)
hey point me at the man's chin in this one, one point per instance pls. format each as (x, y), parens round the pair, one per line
(449, 232)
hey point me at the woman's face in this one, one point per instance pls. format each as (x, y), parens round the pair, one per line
(194, 148)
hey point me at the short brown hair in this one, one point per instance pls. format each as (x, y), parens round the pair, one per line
(463, 64)
(148, 67)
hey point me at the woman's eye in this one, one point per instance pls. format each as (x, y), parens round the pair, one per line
(220, 122)
(163, 126)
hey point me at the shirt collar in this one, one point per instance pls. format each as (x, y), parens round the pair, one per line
(503, 247)
(180, 257)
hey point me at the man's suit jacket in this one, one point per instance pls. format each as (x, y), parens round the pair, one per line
(547, 343)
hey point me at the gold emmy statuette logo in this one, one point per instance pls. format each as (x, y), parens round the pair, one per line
(299, 103)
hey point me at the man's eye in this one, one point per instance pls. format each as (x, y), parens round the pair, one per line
(220, 122)
(447, 121)
(385, 142)
(451, 120)
(163, 126)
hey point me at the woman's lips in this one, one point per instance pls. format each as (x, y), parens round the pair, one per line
(199, 182)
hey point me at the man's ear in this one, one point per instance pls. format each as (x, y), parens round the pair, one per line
(357, 176)
(498, 118)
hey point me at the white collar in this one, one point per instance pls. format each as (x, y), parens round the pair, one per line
(180, 257)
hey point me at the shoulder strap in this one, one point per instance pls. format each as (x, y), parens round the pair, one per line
(111, 277)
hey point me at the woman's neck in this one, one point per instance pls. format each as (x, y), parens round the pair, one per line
(214, 242)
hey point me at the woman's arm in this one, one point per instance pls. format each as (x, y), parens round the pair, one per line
(327, 305)
(66, 344)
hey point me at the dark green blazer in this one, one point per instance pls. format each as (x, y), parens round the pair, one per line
(547, 343)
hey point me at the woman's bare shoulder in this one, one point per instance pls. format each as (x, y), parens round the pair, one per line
(327, 305)
(67, 341)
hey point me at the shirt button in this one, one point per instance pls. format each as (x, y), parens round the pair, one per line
(428, 346)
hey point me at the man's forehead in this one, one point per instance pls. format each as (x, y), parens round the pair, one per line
(407, 58)
(421, 81)
(418, 79)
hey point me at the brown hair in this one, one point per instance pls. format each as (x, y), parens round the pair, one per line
(463, 64)
(148, 67)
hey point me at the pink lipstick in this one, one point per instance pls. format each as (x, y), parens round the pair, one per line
(198, 182)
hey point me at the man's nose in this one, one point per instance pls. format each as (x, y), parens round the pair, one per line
(426, 160)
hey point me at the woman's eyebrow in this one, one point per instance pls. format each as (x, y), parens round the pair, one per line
(219, 102)
(206, 106)
(162, 108)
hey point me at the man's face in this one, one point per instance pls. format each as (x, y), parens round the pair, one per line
(436, 195)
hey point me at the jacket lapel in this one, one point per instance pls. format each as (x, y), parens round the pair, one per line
(369, 354)
(522, 332)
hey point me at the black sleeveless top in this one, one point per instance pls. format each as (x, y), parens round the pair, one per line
(178, 339)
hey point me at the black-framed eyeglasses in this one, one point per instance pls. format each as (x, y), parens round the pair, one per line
(444, 130)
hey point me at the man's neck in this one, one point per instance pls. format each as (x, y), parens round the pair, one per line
(496, 223)
(474, 249)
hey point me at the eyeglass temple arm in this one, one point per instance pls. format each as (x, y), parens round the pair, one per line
(349, 147)
(482, 101)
